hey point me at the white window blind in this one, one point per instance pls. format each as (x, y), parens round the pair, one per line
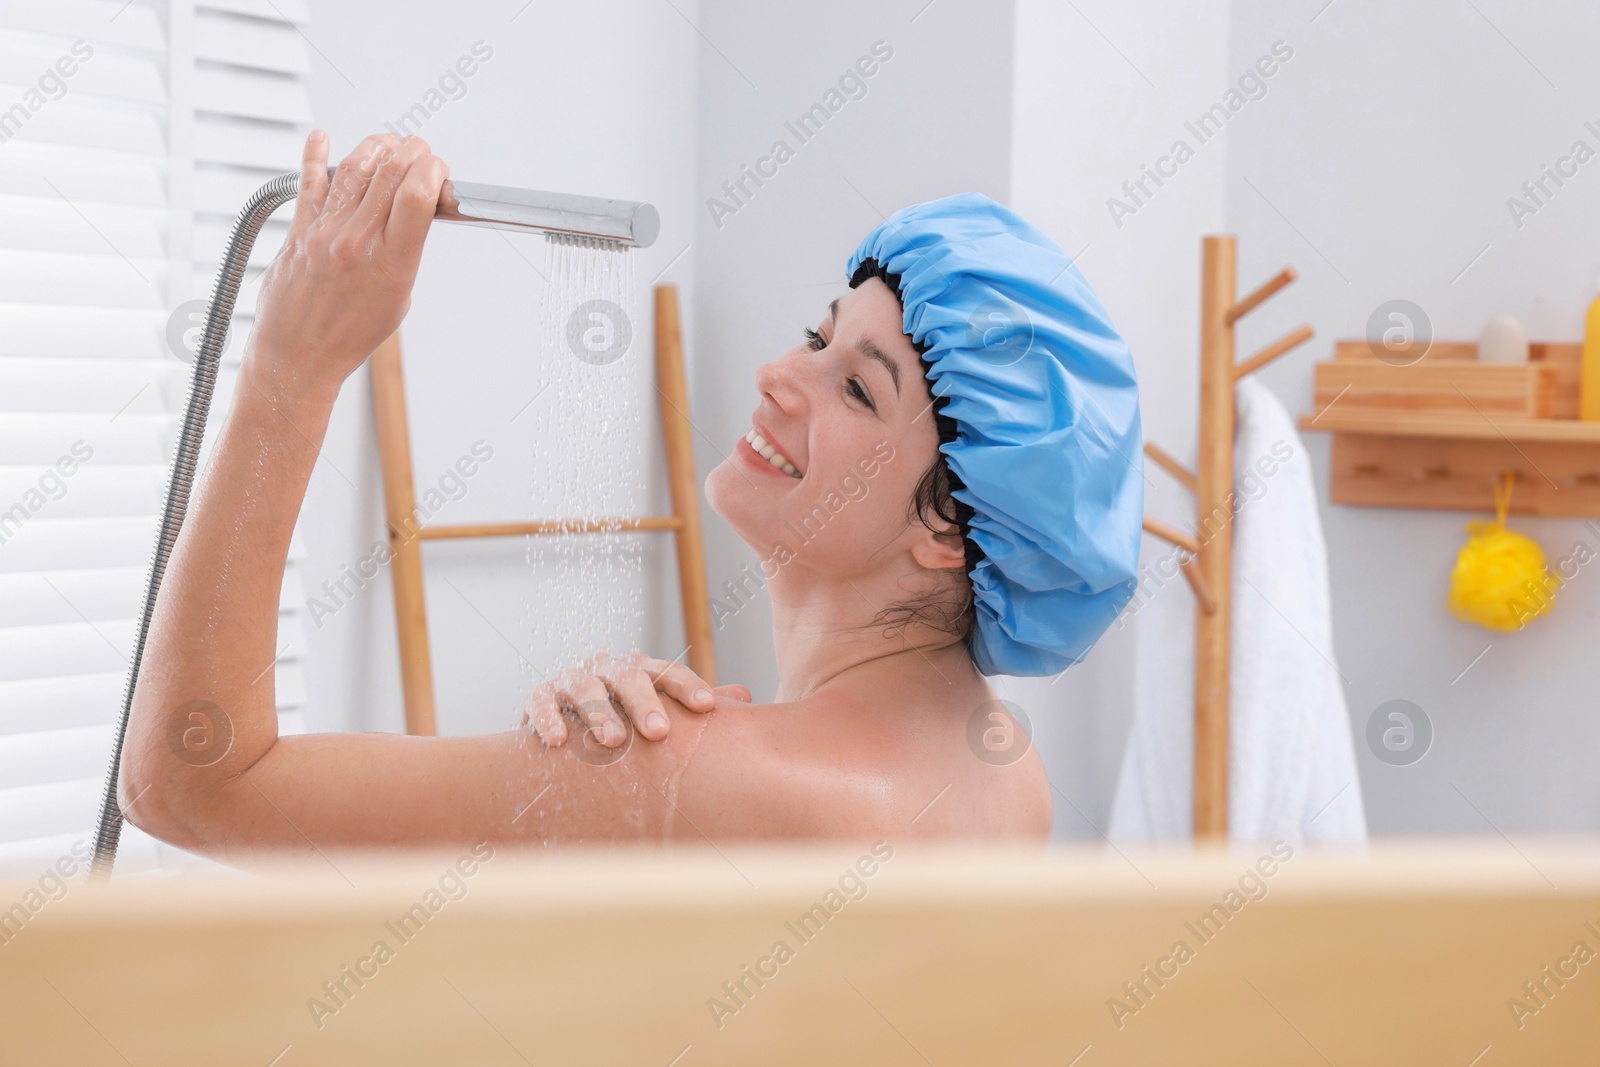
(118, 184)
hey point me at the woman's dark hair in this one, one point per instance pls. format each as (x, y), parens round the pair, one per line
(933, 499)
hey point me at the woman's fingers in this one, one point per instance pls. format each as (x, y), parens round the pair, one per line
(354, 174)
(595, 691)
(597, 663)
(313, 181)
(637, 694)
(680, 683)
(415, 201)
(590, 698)
(338, 288)
(632, 689)
(372, 214)
(545, 718)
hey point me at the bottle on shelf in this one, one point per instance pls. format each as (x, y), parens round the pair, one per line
(1589, 383)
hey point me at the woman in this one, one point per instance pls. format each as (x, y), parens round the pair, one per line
(886, 617)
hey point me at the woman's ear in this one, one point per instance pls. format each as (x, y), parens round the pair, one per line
(939, 551)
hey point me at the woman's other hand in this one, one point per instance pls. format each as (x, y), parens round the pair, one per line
(593, 691)
(342, 282)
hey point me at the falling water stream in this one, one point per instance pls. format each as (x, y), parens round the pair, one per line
(589, 458)
(583, 590)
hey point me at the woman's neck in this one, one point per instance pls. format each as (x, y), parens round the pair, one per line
(823, 629)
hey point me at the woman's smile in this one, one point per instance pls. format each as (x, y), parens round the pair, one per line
(758, 449)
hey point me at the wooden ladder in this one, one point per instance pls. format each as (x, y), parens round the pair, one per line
(406, 534)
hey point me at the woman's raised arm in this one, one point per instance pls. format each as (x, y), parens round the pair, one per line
(203, 766)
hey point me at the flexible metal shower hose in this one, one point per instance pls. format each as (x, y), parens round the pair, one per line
(224, 294)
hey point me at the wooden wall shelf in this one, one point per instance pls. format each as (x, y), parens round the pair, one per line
(1388, 455)
(1517, 429)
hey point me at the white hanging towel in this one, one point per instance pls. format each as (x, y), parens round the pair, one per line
(1291, 758)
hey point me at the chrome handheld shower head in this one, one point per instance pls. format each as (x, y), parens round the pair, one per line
(501, 207)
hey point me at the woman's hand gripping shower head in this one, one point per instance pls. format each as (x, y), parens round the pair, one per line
(342, 282)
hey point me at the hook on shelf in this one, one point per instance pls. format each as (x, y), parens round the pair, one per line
(1188, 564)
(1202, 591)
(1172, 535)
(1272, 352)
(1260, 296)
(1166, 462)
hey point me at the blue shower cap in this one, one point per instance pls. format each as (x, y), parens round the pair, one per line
(1047, 451)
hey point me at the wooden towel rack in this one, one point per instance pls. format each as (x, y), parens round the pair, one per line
(406, 534)
(1209, 563)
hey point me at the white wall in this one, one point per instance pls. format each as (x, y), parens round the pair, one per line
(934, 120)
(1381, 169)
(1103, 89)
(594, 98)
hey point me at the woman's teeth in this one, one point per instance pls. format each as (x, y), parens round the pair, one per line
(770, 454)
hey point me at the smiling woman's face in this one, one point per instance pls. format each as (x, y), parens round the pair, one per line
(847, 417)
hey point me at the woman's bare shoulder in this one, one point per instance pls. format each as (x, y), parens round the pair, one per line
(781, 771)
(827, 767)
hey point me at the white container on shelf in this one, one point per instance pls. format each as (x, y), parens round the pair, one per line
(1503, 341)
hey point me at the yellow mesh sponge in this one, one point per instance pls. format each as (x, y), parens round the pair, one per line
(1500, 580)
